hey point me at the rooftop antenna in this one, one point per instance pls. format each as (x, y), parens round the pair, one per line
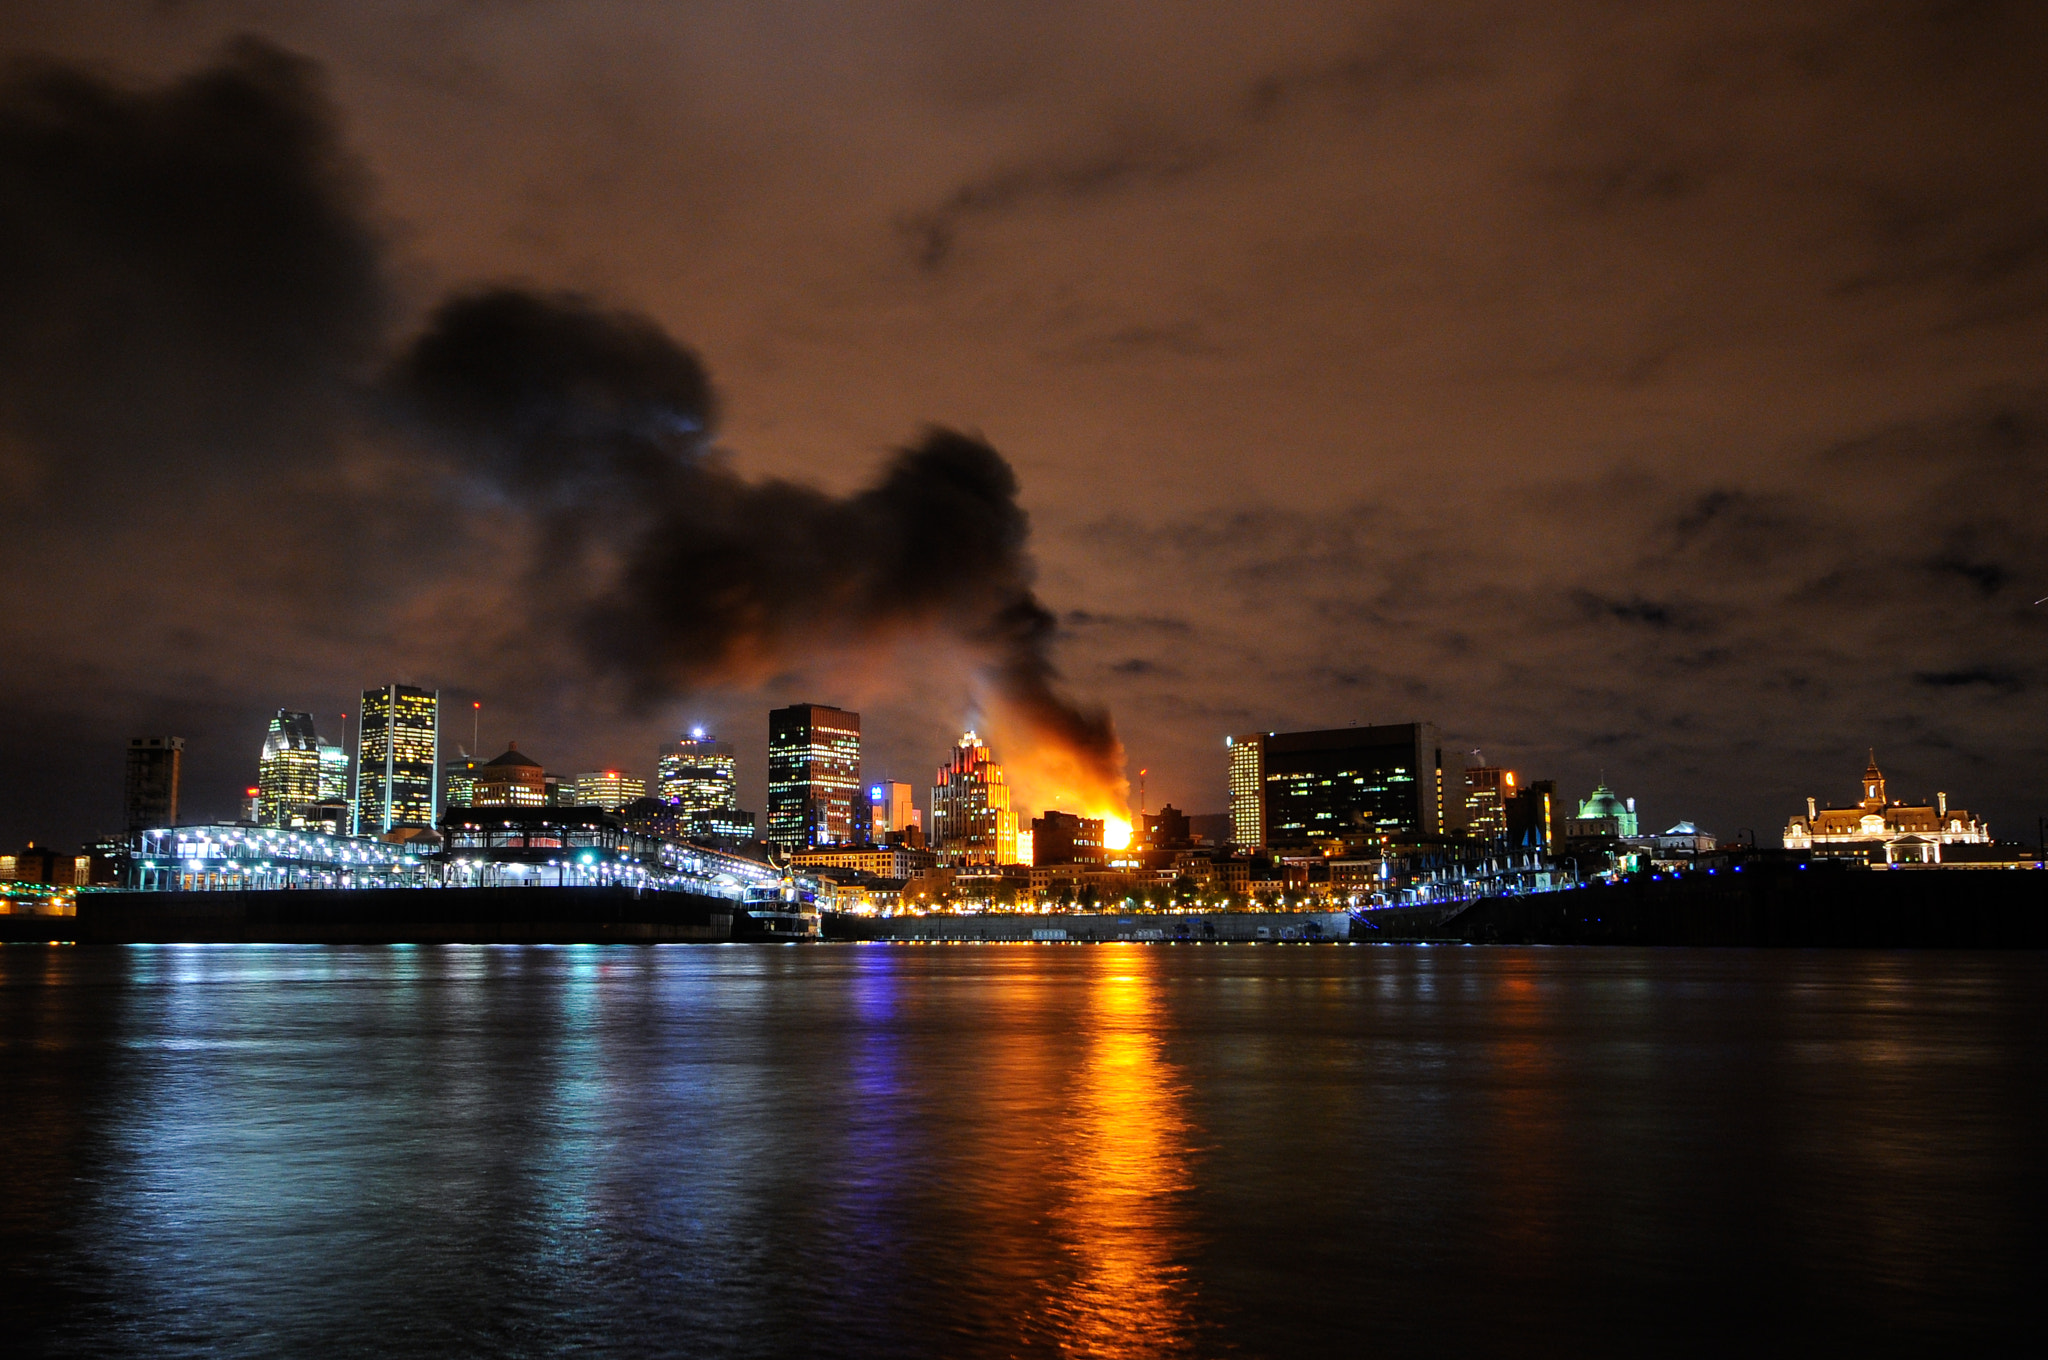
(476, 727)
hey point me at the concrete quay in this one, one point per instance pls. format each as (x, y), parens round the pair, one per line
(397, 916)
(1216, 927)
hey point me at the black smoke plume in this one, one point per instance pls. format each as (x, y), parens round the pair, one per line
(187, 274)
(212, 436)
(602, 426)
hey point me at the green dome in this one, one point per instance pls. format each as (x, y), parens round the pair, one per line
(1602, 802)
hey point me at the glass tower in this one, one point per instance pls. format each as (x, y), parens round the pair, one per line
(699, 777)
(814, 784)
(1325, 791)
(290, 773)
(397, 777)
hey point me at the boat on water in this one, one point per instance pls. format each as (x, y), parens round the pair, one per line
(787, 912)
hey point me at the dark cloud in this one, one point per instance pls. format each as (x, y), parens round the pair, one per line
(1696, 663)
(1048, 184)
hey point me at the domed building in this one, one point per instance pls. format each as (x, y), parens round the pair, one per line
(1604, 813)
(511, 780)
(1900, 833)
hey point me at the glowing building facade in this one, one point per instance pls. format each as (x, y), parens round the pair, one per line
(458, 782)
(699, 776)
(972, 820)
(1487, 793)
(608, 789)
(1329, 791)
(397, 759)
(510, 780)
(814, 789)
(1880, 829)
(1248, 790)
(301, 780)
(1604, 813)
(892, 813)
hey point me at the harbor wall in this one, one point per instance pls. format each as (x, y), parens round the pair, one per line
(1105, 927)
(1825, 906)
(397, 916)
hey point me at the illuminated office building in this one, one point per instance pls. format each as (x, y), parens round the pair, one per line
(333, 773)
(608, 789)
(509, 780)
(891, 812)
(288, 769)
(699, 776)
(397, 770)
(1348, 786)
(458, 782)
(814, 788)
(972, 820)
(1488, 791)
(150, 790)
(1248, 790)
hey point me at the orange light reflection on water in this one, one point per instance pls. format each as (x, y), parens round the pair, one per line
(1123, 1218)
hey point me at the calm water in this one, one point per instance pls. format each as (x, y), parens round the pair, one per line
(903, 1150)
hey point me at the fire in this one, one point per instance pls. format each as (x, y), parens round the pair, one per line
(1049, 768)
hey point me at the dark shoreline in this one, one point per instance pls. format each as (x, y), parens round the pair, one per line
(1824, 906)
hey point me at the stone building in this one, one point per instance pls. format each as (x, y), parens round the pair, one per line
(1877, 828)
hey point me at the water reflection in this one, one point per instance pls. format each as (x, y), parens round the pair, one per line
(1524, 1152)
(1113, 1150)
(1124, 1216)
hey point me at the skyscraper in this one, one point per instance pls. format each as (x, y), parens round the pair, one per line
(699, 776)
(151, 787)
(1488, 789)
(1353, 783)
(458, 781)
(333, 773)
(397, 777)
(1248, 790)
(814, 789)
(972, 820)
(288, 771)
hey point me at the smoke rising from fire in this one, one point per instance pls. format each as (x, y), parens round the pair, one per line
(675, 572)
(195, 294)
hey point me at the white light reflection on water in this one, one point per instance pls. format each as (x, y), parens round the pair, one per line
(1033, 1150)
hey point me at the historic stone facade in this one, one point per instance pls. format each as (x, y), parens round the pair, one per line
(1876, 827)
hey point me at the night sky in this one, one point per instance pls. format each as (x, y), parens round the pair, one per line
(1655, 390)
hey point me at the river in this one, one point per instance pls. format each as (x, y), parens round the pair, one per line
(901, 1150)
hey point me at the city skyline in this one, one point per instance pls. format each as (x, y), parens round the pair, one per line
(1465, 796)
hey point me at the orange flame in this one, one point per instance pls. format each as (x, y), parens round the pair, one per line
(1048, 771)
